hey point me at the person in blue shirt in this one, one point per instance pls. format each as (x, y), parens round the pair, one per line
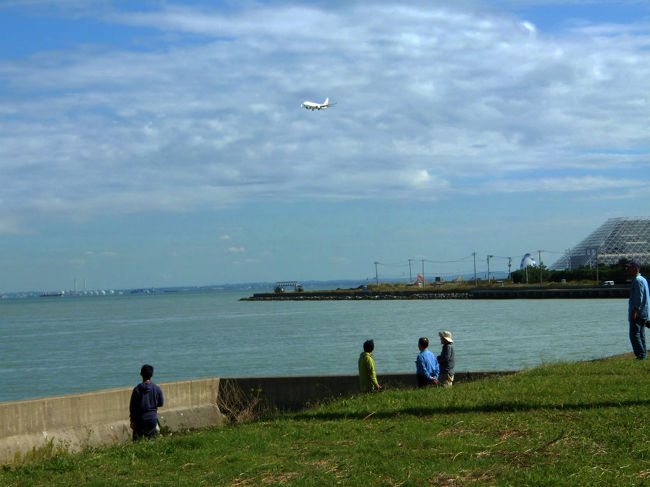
(637, 310)
(426, 365)
(146, 398)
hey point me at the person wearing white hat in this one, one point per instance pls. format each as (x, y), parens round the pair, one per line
(446, 359)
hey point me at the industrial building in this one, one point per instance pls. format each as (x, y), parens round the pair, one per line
(616, 239)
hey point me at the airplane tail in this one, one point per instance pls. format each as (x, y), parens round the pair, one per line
(327, 101)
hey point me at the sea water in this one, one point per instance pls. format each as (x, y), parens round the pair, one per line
(61, 345)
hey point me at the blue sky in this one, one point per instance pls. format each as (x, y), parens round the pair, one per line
(162, 143)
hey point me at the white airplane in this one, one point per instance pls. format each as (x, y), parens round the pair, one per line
(310, 105)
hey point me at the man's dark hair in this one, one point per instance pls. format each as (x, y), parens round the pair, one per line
(146, 371)
(368, 346)
(423, 342)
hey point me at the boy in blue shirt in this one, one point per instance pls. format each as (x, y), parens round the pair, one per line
(146, 398)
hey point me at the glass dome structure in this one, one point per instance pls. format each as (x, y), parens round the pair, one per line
(616, 239)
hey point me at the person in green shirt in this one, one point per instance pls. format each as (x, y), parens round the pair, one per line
(367, 375)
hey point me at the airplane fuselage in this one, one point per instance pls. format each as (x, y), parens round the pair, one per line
(310, 105)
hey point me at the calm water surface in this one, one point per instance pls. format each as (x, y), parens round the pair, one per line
(51, 346)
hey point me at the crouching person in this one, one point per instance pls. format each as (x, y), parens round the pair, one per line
(367, 375)
(146, 398)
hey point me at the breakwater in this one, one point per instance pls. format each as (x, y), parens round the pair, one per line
(528, 292)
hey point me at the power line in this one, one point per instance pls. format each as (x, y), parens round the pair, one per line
(422, 261)
(447, 261)
(396, 264)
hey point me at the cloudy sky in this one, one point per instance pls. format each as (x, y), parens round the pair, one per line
(160, 143)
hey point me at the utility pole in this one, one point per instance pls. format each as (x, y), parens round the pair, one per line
(527, 273)
(376, 272)
(423, 272)
(475, 281)
(596, 264)
(509, 266)
(410, 273)
(539, 252)
(488, 261)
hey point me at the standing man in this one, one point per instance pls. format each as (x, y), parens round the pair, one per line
(637, 309)
(367, 375)
(426, 365)
(146, 398)
(446, 359)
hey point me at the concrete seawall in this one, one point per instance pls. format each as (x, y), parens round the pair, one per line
(73, 422)
(76, 421)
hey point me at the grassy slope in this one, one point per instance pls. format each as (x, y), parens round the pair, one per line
(561, 424)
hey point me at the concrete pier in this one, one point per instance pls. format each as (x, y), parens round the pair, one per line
(523, 292)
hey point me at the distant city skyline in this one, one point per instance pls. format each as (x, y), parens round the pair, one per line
(157, 144)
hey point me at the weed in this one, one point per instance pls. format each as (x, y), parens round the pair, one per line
(237, 405)
(47, 451)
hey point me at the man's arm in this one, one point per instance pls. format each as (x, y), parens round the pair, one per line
(419, 366)
(636, 295)
(445, 355)
(133, 406)
(373, 373)
(436, 368)
(161, 399)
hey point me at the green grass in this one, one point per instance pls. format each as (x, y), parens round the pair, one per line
(561, 424)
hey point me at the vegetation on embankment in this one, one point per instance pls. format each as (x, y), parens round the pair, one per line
(561, 424)
(465, 286)
(531, 277)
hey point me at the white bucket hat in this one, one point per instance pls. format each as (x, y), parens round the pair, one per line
(446, 335)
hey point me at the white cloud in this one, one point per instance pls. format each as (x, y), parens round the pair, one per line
(588, 184)
(429, 97)
(8, 226)
(236, 250)
(340, 260)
